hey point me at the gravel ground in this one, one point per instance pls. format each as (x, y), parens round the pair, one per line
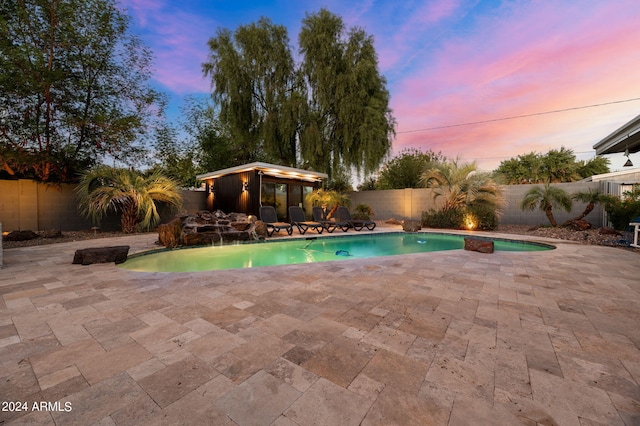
(590, 236)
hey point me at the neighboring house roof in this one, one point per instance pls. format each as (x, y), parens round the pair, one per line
(269, 170)
(626, 137)
(625, 176)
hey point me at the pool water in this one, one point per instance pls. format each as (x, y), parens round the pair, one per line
(308, 250)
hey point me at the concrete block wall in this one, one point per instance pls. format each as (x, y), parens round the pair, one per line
(30, 205)
(404, 204)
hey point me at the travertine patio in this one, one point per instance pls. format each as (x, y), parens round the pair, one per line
(448, 338)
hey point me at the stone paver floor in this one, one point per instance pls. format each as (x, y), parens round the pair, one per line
(448, 338)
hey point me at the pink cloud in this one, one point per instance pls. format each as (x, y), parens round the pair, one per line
(178, 40)
(535, 60)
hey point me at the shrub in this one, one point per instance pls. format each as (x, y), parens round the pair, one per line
(362, 212)
(622, 212)
(451, 218)
(485, 217)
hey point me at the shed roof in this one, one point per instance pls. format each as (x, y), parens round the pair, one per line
(626, 137)
(269, 170)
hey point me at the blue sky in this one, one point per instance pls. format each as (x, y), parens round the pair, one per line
(448, 62)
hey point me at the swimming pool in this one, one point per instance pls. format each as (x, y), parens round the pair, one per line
(307, 250)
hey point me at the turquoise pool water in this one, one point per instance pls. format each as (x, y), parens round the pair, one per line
(306, 250)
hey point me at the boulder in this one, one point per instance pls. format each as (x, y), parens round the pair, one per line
(200, 238)
(608, 231)
(88, 256)
(577, 225)
(206, 228)
(240, 226)
(475, 244)
(53, 233)
(260, 228)
(20, 236)
(411, 226)
(169, 233)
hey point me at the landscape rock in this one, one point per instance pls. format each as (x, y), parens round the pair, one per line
(260, 228)
(207, 228)
(475, 244)
(577, 225)
(609, 231)
(169, 233)
(88, 256)
(53, 233)
(411, 226)
(20, 236)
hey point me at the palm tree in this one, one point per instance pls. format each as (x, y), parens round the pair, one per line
(591, 197)
(461, 185)
(323, 197)
(546, 198)
(104, 189)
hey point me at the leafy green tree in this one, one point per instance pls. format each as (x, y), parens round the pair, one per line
(555, 166)
(73, 87)
(210, 139)
(596, 166)
(523, 169)
(174, 159)
(405, 169)
(546, 198)
(559, 165)
(347, 120)
(258, 89)
(103, 189)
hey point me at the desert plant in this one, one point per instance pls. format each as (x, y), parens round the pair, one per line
(134, 195)
(450, 219)
(329, 199)
(546, 198)
(622, 211)
(461, 185)
(591, 197)
(362, 212)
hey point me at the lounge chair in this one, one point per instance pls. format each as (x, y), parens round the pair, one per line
(357, 224)
(270, 218)
(329, 225)
(296, 216)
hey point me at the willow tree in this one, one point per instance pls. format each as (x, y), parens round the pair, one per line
(347, 122)
(257, 89)
(329, 112)
(73, 87)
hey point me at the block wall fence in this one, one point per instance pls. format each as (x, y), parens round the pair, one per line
(408, 204)
(26, 204)
(36, 206)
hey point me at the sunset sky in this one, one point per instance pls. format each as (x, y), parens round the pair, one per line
(447, 63)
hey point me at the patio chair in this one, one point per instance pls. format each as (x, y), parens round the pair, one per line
(296, 216)
(357, 224)
(270, 218)
(329, 225)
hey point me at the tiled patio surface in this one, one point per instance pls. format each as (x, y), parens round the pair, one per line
(448, 338)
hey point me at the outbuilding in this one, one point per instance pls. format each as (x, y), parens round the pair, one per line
(243, 189)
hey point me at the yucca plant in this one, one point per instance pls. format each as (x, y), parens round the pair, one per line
(134, 195)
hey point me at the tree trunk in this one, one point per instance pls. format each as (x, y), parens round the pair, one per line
(129, 219)
(588, 209)
(549, 212)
